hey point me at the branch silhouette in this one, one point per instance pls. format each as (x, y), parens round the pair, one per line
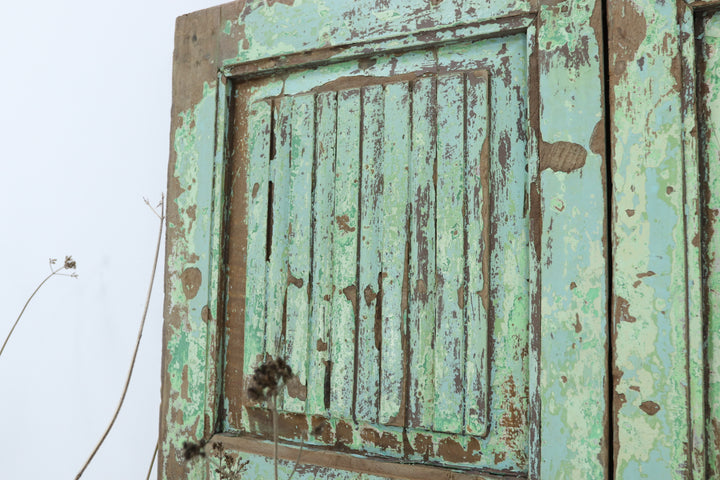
(161, 216)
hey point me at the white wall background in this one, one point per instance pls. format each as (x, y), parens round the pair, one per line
(84, 135)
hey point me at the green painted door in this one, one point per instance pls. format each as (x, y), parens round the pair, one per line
(419, 204)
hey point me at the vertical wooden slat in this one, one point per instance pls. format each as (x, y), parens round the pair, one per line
(299, 242)
(534, 435)
(214, 372)
(322, 276)
(278, 220)
(449, 255)
(345, 249)
(692, 58)
(257, 187)
(394, 301)
(369, 334)
(710, 194)
(421, 316)
(477, 178)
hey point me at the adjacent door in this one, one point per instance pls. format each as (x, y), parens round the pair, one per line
(664, 139)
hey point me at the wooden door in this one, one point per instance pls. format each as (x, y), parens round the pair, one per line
(407, 201)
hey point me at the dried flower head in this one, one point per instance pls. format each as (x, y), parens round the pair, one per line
(217, 448)
(267, 378)
(69, 263)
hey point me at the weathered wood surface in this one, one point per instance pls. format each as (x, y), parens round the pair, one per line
(336, 465)
(664, 153)
(650, 354)
(570, 312)
(538, 268)
(378, 245)
(709, 222)
(664, 317)
(323, 213)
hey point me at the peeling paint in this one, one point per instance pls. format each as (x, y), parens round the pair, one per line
(649, 407)
(191, 279)
(454, 452)
(534, 243)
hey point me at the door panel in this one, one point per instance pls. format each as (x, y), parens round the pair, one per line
(383, 207)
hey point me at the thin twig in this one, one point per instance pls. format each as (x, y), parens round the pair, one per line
(137, 343)
(152, 462)
(297, 460)
(52, 274)
(275, 432)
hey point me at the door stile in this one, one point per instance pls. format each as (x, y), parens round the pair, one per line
(570, 333)
(535, 244)
(689, 47)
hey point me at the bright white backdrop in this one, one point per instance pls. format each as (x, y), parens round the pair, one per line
(84, 135)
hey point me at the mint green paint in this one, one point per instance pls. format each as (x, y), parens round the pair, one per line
(299, 254)
(310, 24)
(258, 174)
(449, 205)
(651, 351)
(370, 264)
(572, 329)
(277, 274)
(394, 207)
(477, 197)
(322, 283)
(574, 294)
(344, 253)
(186, 346)
(389, 140)
(421, 315)
(261, 467)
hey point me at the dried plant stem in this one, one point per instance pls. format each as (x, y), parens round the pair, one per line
(275, 432)
(152, 462)
(52, 274)
(137, 342)
(26, 304)
(297, 460)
